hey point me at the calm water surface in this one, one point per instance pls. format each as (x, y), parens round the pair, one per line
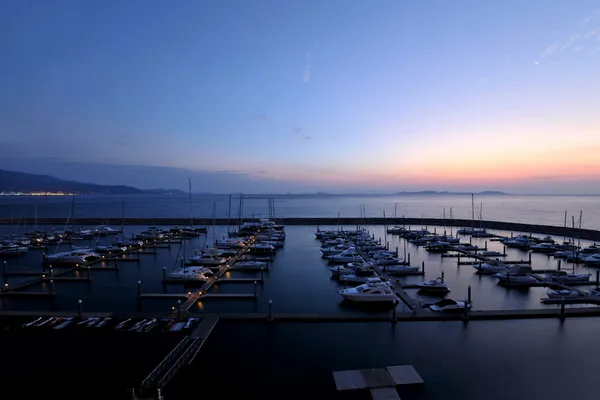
(528, 209)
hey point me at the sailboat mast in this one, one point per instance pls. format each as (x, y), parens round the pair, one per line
(472, 212)
(190, 191)
(229, 215)
(452, 224)
(579, 235)
(122, 214)
(565, 237)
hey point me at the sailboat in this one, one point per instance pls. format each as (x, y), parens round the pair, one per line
(190, 231)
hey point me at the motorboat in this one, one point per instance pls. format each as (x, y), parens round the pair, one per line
(382, 253)
(353, 279)
(492, 253)
(333, 250)
(192, 273)
(130, 244)
(110, 249)
(347, 256)
(439, 247)
(12, 249)
(400, 269)
(433, 286)
(544, 247)
(491, 267)
(563, 276)
(360, 264)
(251, 264)
(482, 233)
(594, 292)
(466, 247)
(593, 260)
(563, 293)
(207, 258)
(103, 230)
(517, 275)
(375, 290)
(230, 243)
(519, 242)
(449, 305)
(74, 257)
(340, 271)
(388, 260)
(262, 248)
(152, 233)
(591, 249)
(396, 230)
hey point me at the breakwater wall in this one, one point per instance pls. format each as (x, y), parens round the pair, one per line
(328, 223)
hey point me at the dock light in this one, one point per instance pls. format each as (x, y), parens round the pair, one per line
(43, 276)
(172, 308)
(6, 285)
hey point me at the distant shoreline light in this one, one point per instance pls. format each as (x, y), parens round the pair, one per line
(38, 194)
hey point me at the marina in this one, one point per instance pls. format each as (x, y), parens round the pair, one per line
(420, 278)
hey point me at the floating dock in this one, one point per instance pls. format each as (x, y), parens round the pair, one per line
(381, 382)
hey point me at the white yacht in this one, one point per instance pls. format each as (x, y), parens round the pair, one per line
(400, 269)
(333, 250)
(360, 264)
(449, 305)
(594, 292)
(152, 233)
(103, 230)
(491, 267)
(231, 243)
(433, 286)
(207, 258)
(492, 253)
(387, 260)
(543, 248)
(593, 260)
(563, 276)
(591, 249)
(74, 257)
(262, 248)
(373, 291)
(519, 242)
(353, 279)
(347, 256)
(10, 249)
(563, 293)
(196, 273)
(517, 275)
(251, 264)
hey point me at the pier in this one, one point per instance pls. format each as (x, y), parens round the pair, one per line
(586, 234)
(185, 352)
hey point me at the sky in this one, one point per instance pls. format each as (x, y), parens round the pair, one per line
(338, 96)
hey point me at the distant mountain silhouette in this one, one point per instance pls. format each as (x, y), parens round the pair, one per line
(12, 181)
(428, 192)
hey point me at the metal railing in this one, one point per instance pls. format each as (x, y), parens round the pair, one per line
(146, 383)
(194, 344)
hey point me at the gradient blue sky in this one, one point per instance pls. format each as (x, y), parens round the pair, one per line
(278, 96)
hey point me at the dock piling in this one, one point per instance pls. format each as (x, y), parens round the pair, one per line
(178, 310)
(4, 273)
(559, 264)
(529, 258)
(52, 287)
(79, 308)
(466, 313)
(394, 311)
(139, 285)
(469, 294)
(164, 273)
(408, 258)
(442, 276)
(597, 278)
(254, 289)
(423, 267)
(562, 309)
(89, 273)
(262, 274)
(270, 316)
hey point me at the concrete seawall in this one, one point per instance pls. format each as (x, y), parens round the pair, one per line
(327, 223)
